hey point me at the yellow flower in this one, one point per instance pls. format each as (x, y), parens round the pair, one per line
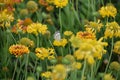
(76, 65)
(60, 3)
(90, 60)
(59, 72)
(93, 26)
(42, 53)
(59, 43)
(112, 29)
(78, 55)
(18, 50)
(5, 18)
(63, 42)
(46, 74)
(90, 49)
(68, 33)
(85, 35)
(117, 47)
(75, 41)
(36, 28)
(107, 11)
(108, 77)
(51, 51)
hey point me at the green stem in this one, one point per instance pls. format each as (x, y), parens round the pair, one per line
(93, 8)
(102, 2)
(26, 66)
(38, 41)
(15, 69)
(61, 51)
(13, 38)
(77, 5)
(35, 66)
(60, 21)
(97, 66)
(110, 55)
(92, 72)
(83, 71)
(36, 58)
(19, 70)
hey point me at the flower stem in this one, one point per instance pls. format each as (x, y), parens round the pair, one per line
(60, 21)
(26, 66)
(110, 55)
(83, 71)
(15, 69)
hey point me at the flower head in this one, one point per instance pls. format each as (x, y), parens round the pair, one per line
(24, 12)
(112, 29)
(93, 26)
(43, 2)
(89, 49)
(85, 35)
(27, 42)
(68, 33)
(117, 47)
(5, 18)
(36, 28)
(32, 6)
(59, 72)
(18, 50)
(60, 3)
(46, 74)
(107, 11)
(115, 66)
(108, 77)
(43, 53)
(59, 43)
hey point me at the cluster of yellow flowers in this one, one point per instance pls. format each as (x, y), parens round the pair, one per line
(108, 10)
(59, 72)
(37, 28)
(112, 30)
(59, 43)
(5, 18)
(43, 53)
(88, 49)
(18, 50)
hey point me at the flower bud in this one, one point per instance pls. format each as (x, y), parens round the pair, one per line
(53, 61)
(39, 69)
(65, 61)
(32, 6)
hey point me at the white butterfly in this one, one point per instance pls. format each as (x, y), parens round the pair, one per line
(57, 35)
